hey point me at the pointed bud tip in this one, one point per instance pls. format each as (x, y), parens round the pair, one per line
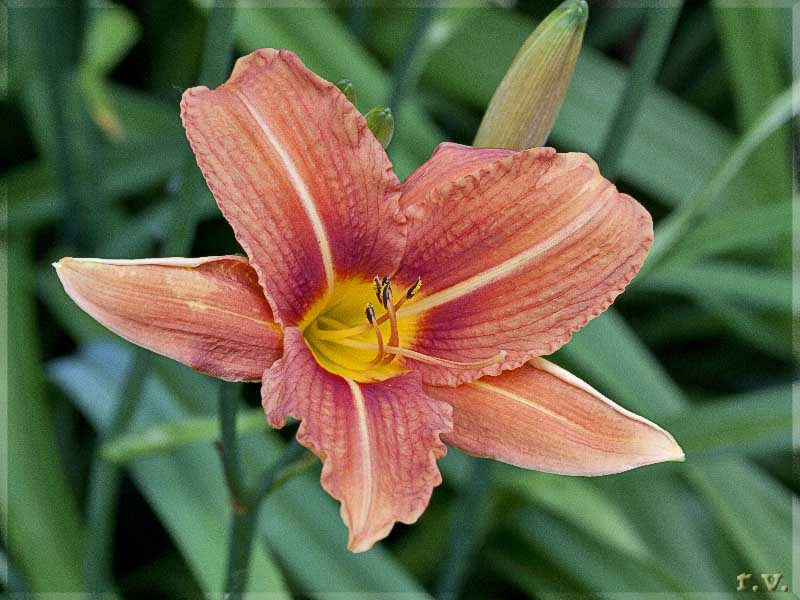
(577, 10)
(679, 456)
(526, 103)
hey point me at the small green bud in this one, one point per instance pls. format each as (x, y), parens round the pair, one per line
(348, 89)
(381, 123)
(526, 103)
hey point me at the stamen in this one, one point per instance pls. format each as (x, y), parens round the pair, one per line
(337, 332)
(414, 289)
(386, 292)
(410, 293)
(431, 360)
(394, 335)
(370, 313)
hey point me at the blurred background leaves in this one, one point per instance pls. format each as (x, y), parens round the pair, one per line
(95, 163)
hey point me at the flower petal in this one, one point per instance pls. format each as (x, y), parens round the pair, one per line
(308, 189)
(516, 257)
(542, 417)
(448, 162)
(378, 441)
(209, 313)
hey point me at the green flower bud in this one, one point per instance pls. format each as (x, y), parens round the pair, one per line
(526, 103)
(348, 89)
(381, 123)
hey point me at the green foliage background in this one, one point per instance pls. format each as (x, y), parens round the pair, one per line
(95, 163)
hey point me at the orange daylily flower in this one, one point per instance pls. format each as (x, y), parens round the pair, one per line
(486, 259)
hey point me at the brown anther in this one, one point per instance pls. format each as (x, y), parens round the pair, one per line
(386, 292)
(370, 313)
(414, 289)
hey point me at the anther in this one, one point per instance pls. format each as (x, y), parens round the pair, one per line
(378, 288)
(414, 289)
(370, 313)
(386, 292)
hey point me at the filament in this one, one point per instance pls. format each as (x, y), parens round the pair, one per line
(394, 335)
(431, 360)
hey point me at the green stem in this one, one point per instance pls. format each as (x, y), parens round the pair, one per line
(240, 549)
(466, 530)
(649, 56)
(228, 407)
(246, 504)
(288, 465)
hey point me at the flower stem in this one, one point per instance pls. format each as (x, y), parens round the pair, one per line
(228, 406)
(245, 501)
(240, 547)
(245, 516)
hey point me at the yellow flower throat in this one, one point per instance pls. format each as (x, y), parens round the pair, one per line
(348, 337)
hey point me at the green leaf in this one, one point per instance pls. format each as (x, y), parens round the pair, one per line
(168, 437)
(772, 336)
(753, 510)
(762, 229)
(757, 288)
(39, 505)
(667, 517)
(674, 227)
(650, 51)
(577, 502)
(594, 565)
(112, 32)
(618, 363)
(748, 36)
(755, 422)
(299, 522)
(190, 501)
(153, 150)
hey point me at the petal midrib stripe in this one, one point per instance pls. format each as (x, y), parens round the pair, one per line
(521, 400)
(303, 193)
(505, 268)
(366, 454)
